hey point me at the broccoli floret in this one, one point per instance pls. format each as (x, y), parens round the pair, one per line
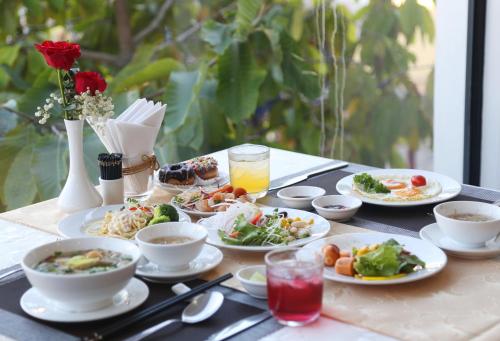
(158, 220)
(167, 211)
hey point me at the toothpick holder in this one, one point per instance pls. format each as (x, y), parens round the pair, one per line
(112, 191)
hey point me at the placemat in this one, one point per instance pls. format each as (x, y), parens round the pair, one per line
(407, 218)
(231, 311)
(460, 303)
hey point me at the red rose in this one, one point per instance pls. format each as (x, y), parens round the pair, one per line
(89, 81)
(59, 54)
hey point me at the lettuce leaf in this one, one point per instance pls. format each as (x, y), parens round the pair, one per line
(387, 260)
(249, 234)
(383, 261)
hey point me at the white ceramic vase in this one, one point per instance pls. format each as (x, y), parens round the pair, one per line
(78, 193)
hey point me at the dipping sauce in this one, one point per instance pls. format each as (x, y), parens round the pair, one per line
(335, 207)
(171, 240)
(83, 262)
(300, 197)
(470, 217)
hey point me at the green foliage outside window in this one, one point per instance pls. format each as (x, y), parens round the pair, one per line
(256, 71)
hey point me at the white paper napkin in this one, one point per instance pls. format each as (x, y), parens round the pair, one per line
(133, 133)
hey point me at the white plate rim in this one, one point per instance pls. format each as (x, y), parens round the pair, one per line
(458, 252)
(140, 287)
(317, 218)
(75, 220)
(163, 275)
(384, 236)
(450, 187)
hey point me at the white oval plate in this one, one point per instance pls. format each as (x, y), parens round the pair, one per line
(76, 224)
(35, 304)
(320, 228)
(449, 187)
(208, 259)
(435, 259)
(433, 234)
(216, 182)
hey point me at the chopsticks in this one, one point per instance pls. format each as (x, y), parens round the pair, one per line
(157, 308)
(110, 166)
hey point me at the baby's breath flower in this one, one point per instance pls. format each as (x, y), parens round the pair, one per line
(95, 109)
(44, 112)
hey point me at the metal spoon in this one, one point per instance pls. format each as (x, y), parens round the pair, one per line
(201, 308)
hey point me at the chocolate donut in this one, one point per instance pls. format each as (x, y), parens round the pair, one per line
(205, 167)
(177, 174)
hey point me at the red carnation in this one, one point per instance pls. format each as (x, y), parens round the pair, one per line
(59, 54)
(89, 81)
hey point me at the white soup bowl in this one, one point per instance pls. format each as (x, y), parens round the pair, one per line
(468, 233)
(351, 204)
(81, 292)
(300, 197)
(172, 257)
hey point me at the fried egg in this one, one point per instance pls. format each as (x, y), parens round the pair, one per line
(401, 189)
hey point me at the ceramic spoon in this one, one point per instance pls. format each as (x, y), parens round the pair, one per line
(201, 308)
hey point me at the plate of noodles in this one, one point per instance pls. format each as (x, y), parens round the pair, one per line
(118, 221)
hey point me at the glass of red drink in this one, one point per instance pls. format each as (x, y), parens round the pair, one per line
(294, 285)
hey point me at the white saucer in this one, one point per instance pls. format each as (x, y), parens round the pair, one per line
(208, 259)
(433, 234)
(36, 305)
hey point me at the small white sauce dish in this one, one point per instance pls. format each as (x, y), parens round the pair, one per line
(254, 288)
(172, 257)
(81, 292)
(470, 234)
(323, 205)
(300, 197)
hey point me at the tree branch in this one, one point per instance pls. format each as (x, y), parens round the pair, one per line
(107, 58)
(125, 40)
(19, 113)
(154, 24)
(55, 127)
(124, 32)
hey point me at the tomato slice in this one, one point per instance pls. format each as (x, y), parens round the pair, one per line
(418, 180)
(255, 219)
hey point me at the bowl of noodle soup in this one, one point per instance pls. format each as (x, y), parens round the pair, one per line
(80, 291)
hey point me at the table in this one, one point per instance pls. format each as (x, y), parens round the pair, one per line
(440, 293)
(16, 239)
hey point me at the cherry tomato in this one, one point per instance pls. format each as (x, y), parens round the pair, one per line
(132, 208)
(418, 180)
(224, 189)
(227, 189)
(238, 192)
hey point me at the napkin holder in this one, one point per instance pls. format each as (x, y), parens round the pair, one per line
(137, 172)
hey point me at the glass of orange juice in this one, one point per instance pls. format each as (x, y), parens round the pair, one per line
(249, 168)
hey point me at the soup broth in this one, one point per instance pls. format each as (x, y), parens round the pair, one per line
(471, 217)
(83, 262)
(171, 240)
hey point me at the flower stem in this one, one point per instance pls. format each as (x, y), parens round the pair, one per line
(61, 88)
